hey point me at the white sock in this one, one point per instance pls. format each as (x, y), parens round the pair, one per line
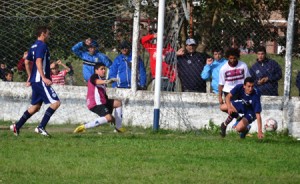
(118, 117)
(97, 122)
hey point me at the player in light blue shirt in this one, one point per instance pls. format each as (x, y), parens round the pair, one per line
(212, 68)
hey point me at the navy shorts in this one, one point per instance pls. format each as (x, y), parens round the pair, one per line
(103, 109)
(42, 93)
(241, 108)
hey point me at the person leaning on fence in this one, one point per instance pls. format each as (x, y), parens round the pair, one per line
(98, 102)
(190, 64)
(2, 70)
(121, 69)
(266, 73)
(90, 57)
(57, 76)
(8, 75)
(21, 66)
(212, 68)
(232, 73)
(243, 99)
(168, 71)
(40, 81)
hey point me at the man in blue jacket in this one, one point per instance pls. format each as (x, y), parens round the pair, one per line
(266, 73)
(90, 57)
(212, 68)
(121, 69)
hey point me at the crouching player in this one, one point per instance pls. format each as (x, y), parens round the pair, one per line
(98, 102)
(248, 103)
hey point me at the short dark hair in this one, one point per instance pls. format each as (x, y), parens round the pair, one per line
(217, 49)
(261, 49)
(41, 29)
(98, 65)
(232, 52)
(248, 79)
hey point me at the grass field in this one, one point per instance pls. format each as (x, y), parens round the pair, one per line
(143, 156)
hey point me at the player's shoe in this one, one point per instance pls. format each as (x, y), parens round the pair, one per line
(14, 129)
(42, 131)
(243, 134)
(223, 130)
(120, 130)
(79, 129)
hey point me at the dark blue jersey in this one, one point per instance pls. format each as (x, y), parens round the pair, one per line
(39, 50)
(250, 101)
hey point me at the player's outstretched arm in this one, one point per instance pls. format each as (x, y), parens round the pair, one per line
(260, 134)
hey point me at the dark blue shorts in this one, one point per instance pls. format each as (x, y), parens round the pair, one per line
(248, 112)
(42, 93)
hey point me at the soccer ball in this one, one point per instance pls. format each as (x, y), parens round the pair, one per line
(270, 125)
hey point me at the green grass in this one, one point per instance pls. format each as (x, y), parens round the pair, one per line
(143, 156)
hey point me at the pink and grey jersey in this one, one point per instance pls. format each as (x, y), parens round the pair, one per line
(96, 94)
(229, 76)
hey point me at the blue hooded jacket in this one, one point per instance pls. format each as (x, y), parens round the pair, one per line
(121, 69)
(89, 60)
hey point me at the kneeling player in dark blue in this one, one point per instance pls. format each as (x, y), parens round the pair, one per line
(247, 102)
(40, 81)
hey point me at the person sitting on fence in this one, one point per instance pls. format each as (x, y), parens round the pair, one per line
(168, 71)
(98, 102)
(90, 57)
(266, 73)
(121, 69)
(58, 77)
(21, 67)
(190, 64)
(212, 68)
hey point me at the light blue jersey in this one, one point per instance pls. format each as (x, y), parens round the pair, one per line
(212, 71)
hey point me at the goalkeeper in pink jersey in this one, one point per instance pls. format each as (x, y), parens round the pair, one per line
(98, 102)
(58, 77)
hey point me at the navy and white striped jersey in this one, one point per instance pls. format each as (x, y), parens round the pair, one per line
(39, 50)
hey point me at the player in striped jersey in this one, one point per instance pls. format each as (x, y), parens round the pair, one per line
(40, 82)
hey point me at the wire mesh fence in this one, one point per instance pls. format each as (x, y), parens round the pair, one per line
(110, 22)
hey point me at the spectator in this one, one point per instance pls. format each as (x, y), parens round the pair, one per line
(212, 68)
(121, 69)
(298, 81)
(70, 77)
(168, 72)
(8, 75)
(90, 57)
(58, 77)
(266, 73)
(231, 73)
(99, 103)
(190, 65)
(2, 70)
(249, 105)
(21, 67)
